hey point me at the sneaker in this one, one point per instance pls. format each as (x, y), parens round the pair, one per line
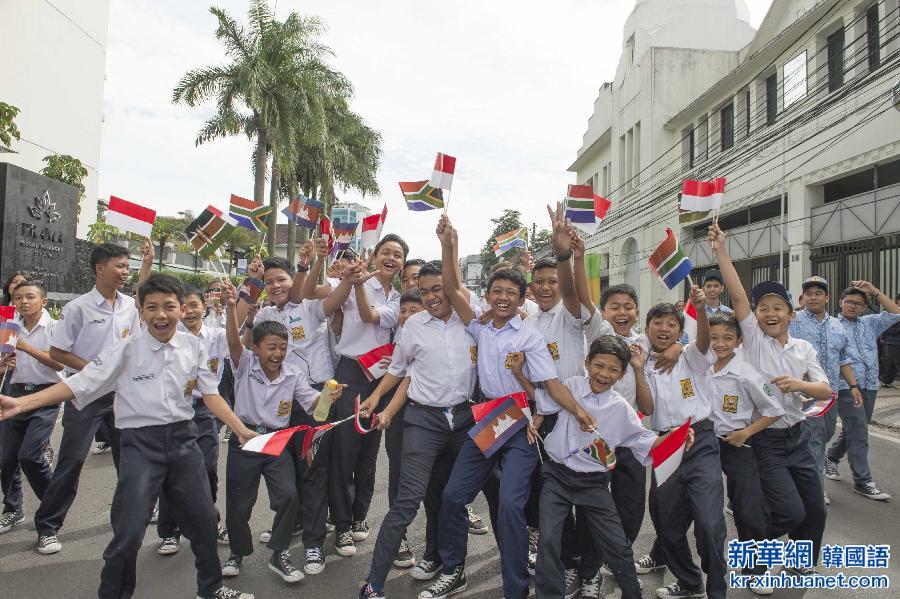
(426, 569)
(590, 587)
(728, 509)
(329, 525)
(532, 563)
(232, 565)
(675, 590)
(314, 562)
(169, 546)
(227, 436)
(226, 593)
(605, 571)
(360, 530)
(48, 544)
(447, 585)
(344, 545)
(533, 538)
(869, 490)
(369, 592)
(800, 571)
(831, 471)
(265, 535)
(101, 448)
(404, 557)
(222, 535)
(646, 564)
(10, 520)
(476, 524)
(757, 588)
(298, 530)
(827, 500)
(154, 515)
(282, 565)
(48, 455)
(573, 583)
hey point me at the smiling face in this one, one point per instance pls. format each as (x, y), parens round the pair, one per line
(853, 306)
(774, 315)
(278, 285)
(723, 340)
(407, 309)
(112, 273)
(409, 278)
(29, 301)
(815, 299)
(505, 298)
(433, 297)
(621, 311)
(663, 331)
(712, 289)
(161, 313)
(604, 371)
(545, 286)
(389, 259)
(271, 351)
(193, 312)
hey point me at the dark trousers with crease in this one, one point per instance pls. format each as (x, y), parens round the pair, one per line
(751, 516)
(157, 459)
(22, 441)
(311, 477)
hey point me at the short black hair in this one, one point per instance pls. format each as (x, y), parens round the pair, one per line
(854, 291)
(727, 321)
(612, 345)
(545, 262)
(624, 289)
(190, 290)
(395, 238)
(106, 251)
(32, 283)
(411, 296)
(665, 309)
(513, 275)
(413, 262)
(161, 284)
(269, 327)
(433, 268)
(499, 265)
(280, 263)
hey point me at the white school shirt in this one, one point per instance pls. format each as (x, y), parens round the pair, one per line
(627, 387)
(28, 370)
(213, 320)
(88, 325)
(617, 425)
(681, 394)
(307, 328)
(739, 396)
(358, 337)
(445, 358)
(154, 381)
(796, 359)
(259, 401)
(215, 342)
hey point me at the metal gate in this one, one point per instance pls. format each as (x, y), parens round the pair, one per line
(876, 260)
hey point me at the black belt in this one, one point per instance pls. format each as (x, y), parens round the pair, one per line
(262, 429)
(29, 387)
(454, 408)
(703, 425)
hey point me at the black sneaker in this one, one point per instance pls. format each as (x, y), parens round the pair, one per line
(48, 544)
(590, 587)
(360, 530)
(532, 563)
(282, 565)
(9, 520)
(800, 571)
(226, 593)
(573, 583)
(447, 585)
(675, 590)
(232, 565)
(426, 569)
(48, 455)
(869, 491)
(404, 557)
(646, 564)
(344, 545)
(831, 470)
(222, 535)
(315, 561)
(368, 592)
(154, 514)
(101, 448)
(476, 524)
(533, 538)
(169, 546)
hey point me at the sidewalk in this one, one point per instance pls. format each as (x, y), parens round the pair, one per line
(887, 409)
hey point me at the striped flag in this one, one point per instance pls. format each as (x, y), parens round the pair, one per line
(9, 329)
(304, 211)
(444, 167)
(370, 362)
(599, 451)
(517, 238)
(127, 216)
(690, 321)
(700, 196)
(420, 196)
(251, 290)
(668, 454)
(248, 214)
(584, 208)
(209, 231)
(272, 443)
(505, 418)
(818, 407)
(371, 228)
(593, 264)
(325, 231)
(342, 234)
(669, 263)
(311, 440)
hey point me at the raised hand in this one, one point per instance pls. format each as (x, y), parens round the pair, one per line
(698, 298)
(229, 293)
(444, 229)
(321, 248)
(304, 256)
(866, 287)
(255, 268)
(638, 356)
(716, 237)
(577, 244)
(147, 251)
(562, 236)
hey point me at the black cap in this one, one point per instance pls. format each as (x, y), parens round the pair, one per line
(713, 275)
(815, 281)
(771, 288)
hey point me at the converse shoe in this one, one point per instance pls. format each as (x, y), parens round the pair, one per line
(573, 583)
(533, 538)
(831, 470)
(605, 571)
(48, 544)
(48, 455)
(646, 564)
(169, 546)
(232, 565)
(344, 545)
(405, 558)
(360, 530)
(675, 590)
(532, 563)
(222, 535)
(447, 585)
(329, 525)
(227, 436)
(827, 500)
(426, 569)
(869, 491)
(590, 587)
(476, 524)
(265, 535)
(226, 593)
(282, 565)
(800, 571)
(756, 586)
(10, 520)
(315, 561)
(369, 592)
(154, 514)
(101, 448)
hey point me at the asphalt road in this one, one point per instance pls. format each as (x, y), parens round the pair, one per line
(74, 572)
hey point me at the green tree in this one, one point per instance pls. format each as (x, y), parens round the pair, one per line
(8, 129)
(67, 169)
(166, 229)
(541, 240)
(508, 221)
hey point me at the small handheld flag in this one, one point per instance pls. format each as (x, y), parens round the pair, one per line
(690, 321)
(668, 454)
(304, 211)
(370, 361)
(9, 329)
(669, 263)
(371, 229)
(325, 231)
(584, 208)
(251, 290)
(444, 167)
(600, 452)
(419, 196)
(497, 426)
(131, 217)
(248, 214)
(512, 239)
(701, 196)
(817, 408)
(209, 231)
(272, 443)
(343, 235)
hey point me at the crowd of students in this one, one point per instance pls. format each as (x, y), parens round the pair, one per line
(567, 493)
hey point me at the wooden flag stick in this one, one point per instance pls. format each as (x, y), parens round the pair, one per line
(690, 281)
(447, 202)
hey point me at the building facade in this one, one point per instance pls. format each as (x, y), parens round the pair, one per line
(797, 116)
(350, 212)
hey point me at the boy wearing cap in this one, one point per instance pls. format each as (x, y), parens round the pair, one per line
(713, 286)
(790, 479)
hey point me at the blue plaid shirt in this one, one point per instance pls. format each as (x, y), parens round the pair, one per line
(829, 340)
(863, 333)
(722, 309)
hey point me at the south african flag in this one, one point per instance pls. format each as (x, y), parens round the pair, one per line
(248, 213)
(419, 196)
(599, 451)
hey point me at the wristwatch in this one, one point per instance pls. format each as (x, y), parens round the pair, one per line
(564, 257)
(301, 268)
(854, 386)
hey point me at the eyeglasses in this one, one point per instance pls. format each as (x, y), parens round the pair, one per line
(852, 304)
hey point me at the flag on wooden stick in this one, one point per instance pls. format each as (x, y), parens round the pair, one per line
(669, 262)
(701, 196)
(248, 214)
(420, 196)
(444, 167)
(131, 217)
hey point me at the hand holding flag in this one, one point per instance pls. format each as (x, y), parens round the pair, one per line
(669, 262)
(9, 329)
(585, 209)
(669, 451)
(702, 196)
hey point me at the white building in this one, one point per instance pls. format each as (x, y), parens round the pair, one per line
(53, 68)
(803, 105)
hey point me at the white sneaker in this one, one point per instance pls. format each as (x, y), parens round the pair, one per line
(169, 546)
(48, 544)
(827, 500)
(870, 491)
(265, 535)
(315, 561)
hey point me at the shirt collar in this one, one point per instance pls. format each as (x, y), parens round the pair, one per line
(43, 321)
(99, 300)
(734, 366)
(585, 391)
(515, 322)
(255, 365)
(177, 340)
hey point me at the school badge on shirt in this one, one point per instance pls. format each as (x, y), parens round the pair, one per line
(298, 333)
(687, 388)
(284, 408)
(554, 350)
(473, 353)
(125, 332)
(730, 403)
(509, 358)
(213, 365)
(189, 387)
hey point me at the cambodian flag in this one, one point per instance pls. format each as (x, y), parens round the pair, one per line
(498, 421)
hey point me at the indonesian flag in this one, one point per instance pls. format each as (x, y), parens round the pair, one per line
(700, 196)
(690, 321)
(817, 408)
(370, 361)
(444, 166)
(325, 231)
(370, 231)
(128, 216)
(272, 443)
(668, 454)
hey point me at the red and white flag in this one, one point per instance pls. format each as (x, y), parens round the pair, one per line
(444, 166)
(700, 196)
(370, 228)
(690, 321)
(667, 455)
(371, 362)
(128, 216)
(272, 443)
